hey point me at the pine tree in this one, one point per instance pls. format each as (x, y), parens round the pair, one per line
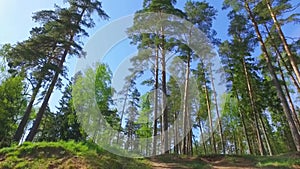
(68, 23)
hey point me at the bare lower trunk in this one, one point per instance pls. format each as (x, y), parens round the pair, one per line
(155, 104)
(122, 114)
(212, 137)
(44, 105)
(289, 99)
(25, 118)
(185, 108)
(217, 110)
(266, 135)
(202, 139)
(165, 135)
(176, 144)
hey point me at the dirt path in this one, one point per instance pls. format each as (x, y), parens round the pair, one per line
(161, 165)
(206, 163)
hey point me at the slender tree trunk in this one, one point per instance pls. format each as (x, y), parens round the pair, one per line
(253, 106)
(217, 110)
(286, 65)
(190, 143)
(287, 111)
(44, 105)
(161, 134)
(266, 135)
(202, 137)
(176, 134)
(189, 136)
(235, 143)
(122, 114)
(212, 137)
(185, 106)
(25, 118)
(165, 134)
(241, 148)
(244, 127)
(155, 103)
(292, 59)
(289, 99)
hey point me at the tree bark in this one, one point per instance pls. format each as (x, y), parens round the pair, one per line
(165, 134)
(202, 137)
(185, 106)
(218, 114)
(266, 135)
(155, 103)
(212, 137)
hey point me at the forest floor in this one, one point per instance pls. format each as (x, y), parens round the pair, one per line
(60, 155)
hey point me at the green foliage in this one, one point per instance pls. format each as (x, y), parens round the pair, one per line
(92, 98)
(64, 124)
(12, 106)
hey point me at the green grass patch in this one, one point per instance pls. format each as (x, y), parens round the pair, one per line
(279, 161)
(64, 155)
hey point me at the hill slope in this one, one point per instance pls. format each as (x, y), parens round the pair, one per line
(64, 155)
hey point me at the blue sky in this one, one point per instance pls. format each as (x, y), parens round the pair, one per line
(15, 16)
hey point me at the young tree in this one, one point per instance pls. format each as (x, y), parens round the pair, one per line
(92, 98)
(12, 105)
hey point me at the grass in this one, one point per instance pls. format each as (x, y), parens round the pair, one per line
(64, 155)
(280, 161)
(87, 155)
(291, 160)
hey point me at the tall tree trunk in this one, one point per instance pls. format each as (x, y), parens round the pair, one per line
(165, 134)
(44, 105)
(122, 115)
(286, 65)
(292, 59)
(190, 150)
(265, 135)
(155, 102)
(235, 143)
(217, 110)
(25, 118)
(244, 126)
(253, 106)
(287, 111)
(202, 137)
(176, 144)
(185, 106)
(289, 99)
(212, 137)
